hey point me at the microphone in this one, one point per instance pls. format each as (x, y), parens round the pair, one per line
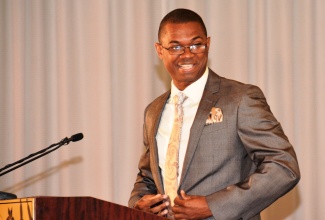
(76, 137)
(34, 156)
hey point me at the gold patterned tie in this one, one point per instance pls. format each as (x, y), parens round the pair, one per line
(171, 164)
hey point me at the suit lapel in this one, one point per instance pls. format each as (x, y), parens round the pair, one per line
(209, 99)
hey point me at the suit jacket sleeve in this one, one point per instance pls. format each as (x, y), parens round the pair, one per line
(148, 180)
(267, 146)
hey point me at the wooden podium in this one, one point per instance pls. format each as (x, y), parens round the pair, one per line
(68, 208)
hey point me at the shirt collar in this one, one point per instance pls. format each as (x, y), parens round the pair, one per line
(193, 91)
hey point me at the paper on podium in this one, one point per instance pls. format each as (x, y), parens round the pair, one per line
(17, 209)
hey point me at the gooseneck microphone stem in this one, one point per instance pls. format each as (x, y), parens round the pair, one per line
(39, 154)
(28, 161)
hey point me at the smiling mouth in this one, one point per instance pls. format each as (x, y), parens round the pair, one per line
(186, 66)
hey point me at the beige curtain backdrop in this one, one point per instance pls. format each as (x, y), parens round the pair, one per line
(69, 66)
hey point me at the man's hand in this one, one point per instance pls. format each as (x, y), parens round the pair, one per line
(155, 204)
(191, 207)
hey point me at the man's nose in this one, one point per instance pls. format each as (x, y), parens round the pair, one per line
(187, 52)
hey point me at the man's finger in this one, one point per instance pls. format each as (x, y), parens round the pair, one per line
(149, 201)
(159, 208)
(153, 200)
(183, 195)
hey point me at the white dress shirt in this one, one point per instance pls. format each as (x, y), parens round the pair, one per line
(194, 93)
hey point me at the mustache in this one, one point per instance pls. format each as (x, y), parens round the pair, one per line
(186, 61)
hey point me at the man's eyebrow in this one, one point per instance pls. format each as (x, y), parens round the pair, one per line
(196, 38)
(177, 42)
(174, 42)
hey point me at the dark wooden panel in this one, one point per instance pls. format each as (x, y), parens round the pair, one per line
(78, 208)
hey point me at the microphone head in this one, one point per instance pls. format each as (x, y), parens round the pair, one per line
(77, 137)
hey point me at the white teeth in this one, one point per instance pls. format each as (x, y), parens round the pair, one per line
(188, 66)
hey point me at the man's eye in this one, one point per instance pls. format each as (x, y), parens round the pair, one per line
(195, 46)
(177, 47)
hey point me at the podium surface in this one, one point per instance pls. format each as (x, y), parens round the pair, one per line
(67, 208)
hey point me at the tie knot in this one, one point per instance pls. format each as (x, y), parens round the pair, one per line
(179, 98)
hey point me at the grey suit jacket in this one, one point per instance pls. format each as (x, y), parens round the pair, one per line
(242, 164)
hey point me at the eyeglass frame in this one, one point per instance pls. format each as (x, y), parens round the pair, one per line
(184, 47)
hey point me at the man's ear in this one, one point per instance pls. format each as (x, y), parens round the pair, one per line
(158, 50)
(208, 44)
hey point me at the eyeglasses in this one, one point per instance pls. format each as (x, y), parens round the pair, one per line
(177, 50)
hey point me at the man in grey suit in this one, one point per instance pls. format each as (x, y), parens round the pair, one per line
(234, 158)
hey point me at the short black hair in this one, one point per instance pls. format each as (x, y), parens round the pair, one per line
(181, 15)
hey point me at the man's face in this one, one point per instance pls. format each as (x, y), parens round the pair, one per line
(188, 67)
